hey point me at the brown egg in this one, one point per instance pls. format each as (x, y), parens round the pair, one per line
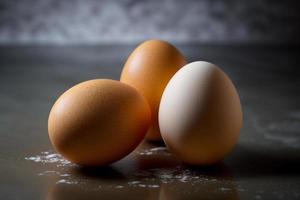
(200, 114)
(98, 122)
(149, 68)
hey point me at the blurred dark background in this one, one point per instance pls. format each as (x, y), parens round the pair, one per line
(131, 21)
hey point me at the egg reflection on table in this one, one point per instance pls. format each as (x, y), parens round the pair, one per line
(98, 122)
(103, 192)
(200, 114)
(149, 68)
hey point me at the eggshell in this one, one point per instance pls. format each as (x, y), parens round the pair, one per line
(98, 122)
(200, 114)
(149, 68)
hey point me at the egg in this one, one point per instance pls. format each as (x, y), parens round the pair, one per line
(149, 68)
(200, 114)
(98, 122)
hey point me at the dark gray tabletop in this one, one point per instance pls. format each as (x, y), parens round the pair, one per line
(264, 165)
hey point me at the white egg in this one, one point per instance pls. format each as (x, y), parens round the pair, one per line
(200, 114)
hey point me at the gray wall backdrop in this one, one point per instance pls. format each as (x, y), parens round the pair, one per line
(126, 21)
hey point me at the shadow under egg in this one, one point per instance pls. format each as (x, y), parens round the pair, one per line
(100, 173)
(84, 192)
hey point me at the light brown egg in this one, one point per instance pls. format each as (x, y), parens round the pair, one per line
(98, 122)
(200, 114)
(149, 68)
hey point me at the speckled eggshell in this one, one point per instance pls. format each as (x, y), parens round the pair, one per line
(98, 122)
(149, 68)
(200, 114)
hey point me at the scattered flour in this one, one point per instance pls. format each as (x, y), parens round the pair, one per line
(142, 185)
(65, 175)
(184, 179)
(66, 181)
(47, 173)
(134, 182)
(150, 178)
(55, 173)
(154, 151)
(153, 186)
(48, 157)
(166, 176)
(147, 186)
(225, 189)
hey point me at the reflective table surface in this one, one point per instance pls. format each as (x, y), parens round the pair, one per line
(264, 165)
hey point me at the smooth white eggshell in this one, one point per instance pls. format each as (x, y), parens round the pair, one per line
(200, 114)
